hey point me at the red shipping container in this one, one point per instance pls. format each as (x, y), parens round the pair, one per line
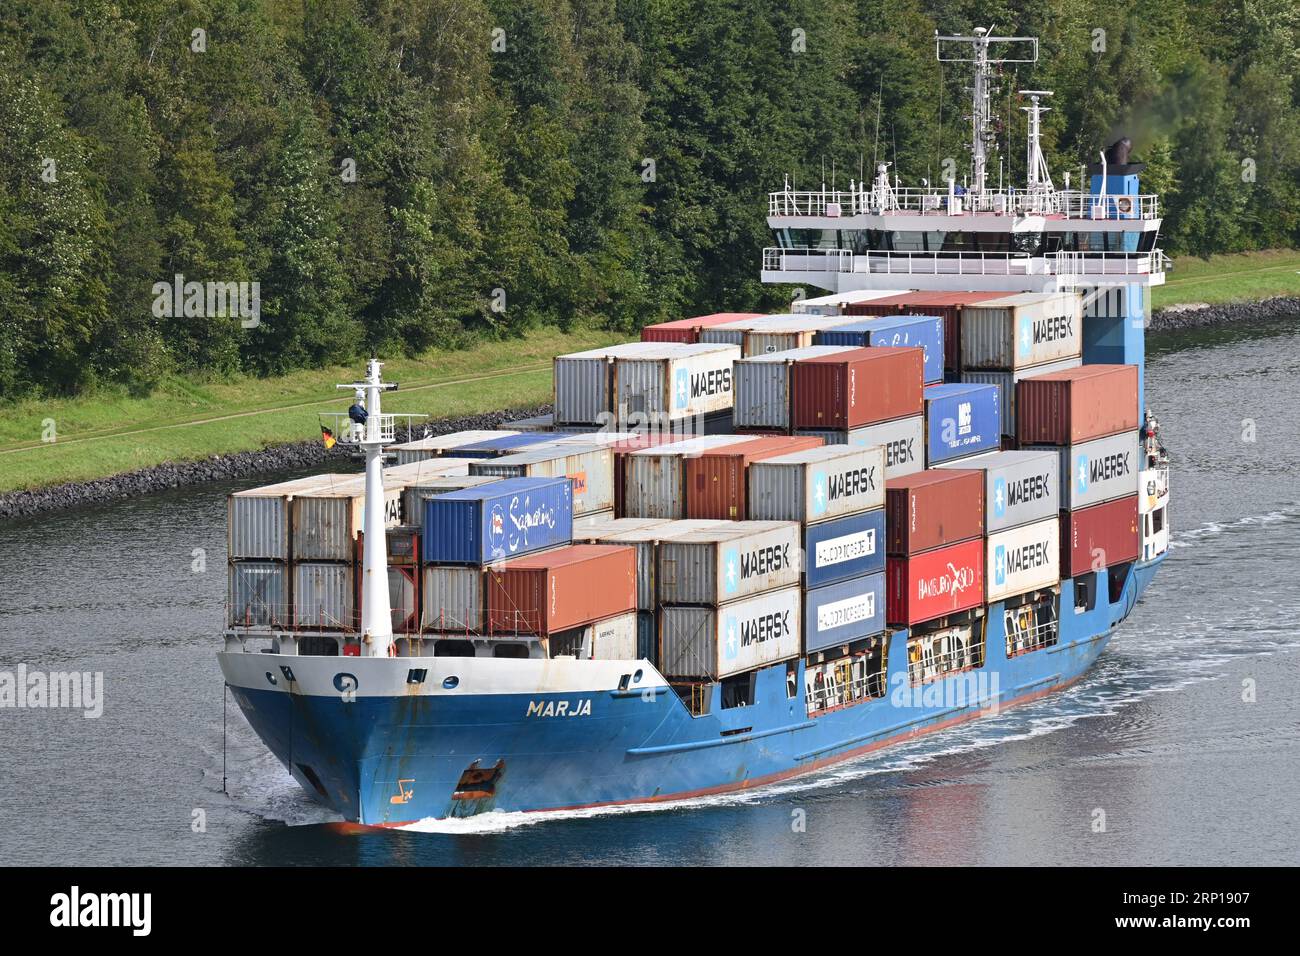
(935, 583)
(945, 304)
(859, 387)
(1077, 404)
(623, 448)
(1106, 534)
(716, 481)
(930, 509)
(556, 590)
(688, 330)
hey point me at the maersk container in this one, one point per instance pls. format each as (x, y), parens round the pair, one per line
(1100, 537)
(845, 612)
(1077, 405)
(557, 590)
(961, 420)
(896, 331)
(1006, 381)
(933, 508)
(584, 382)
(763, 387)
(1020, 487)
(509, 517)
(257, 519)
(903, 440)
(453, 600)
(688, 330)
(413, 495)
(728, 561)
(655, 477)
(1100, 470)
(323, 596)
(258, 594)
(857, 388)
(934, 583)
(589, 467)
(1022, 330)
(645, 535)
(437, 445)
(844, 548)
(710, 643)
(1024, 559)
(668, 382)
(717, 482)
(817, 484)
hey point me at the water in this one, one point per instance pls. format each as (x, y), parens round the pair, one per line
(1157, 738)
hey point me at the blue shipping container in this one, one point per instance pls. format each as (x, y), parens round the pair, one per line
(503, 519)
(844, 548)
(961, 420)
(506, 444)
(845, 612)
(924, 331)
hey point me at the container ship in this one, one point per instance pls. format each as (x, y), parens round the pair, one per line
(746, 547)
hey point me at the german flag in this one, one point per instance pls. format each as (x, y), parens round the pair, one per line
(327, 437)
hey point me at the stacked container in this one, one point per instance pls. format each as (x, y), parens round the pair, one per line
(436, 445)
(688, 330)
(764, 388)
(861, 387)
(961, 420)
(589, 467)
(898, 331)
(655, 477)
(771, 333)
(837, 303)
(666, 383)
(716, 480)
(584, 382)
(949, 305)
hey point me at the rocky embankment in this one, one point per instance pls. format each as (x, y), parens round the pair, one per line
(1198, 315)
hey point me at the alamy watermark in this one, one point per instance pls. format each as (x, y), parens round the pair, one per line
(210, 300)
(24, 689)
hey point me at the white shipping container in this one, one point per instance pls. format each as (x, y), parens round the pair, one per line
(729, 561)
(1100, 470)
(326, 520)
(715, 642)
(655, 478)
(903, 440)
(452, 600)
(1020, 487)
(589, 467)
(614, 639)
(1023, 559)
(674, 380)
(817, 484)
(323, 596)
(1021, 331)
(762, 386)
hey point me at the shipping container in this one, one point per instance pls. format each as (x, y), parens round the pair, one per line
(589, 467)
(1023, 559)
(836, 303)
(933, 508)
(624, 448)
(763, 387)
(844, 548)
(414, 494)
(600, 436)
(717, 482)
(934, 583)
(584, 382)
(257, 521)
(1021, 331)
(323, 596)
(645, 535)
(655, 477)
(437, 445)
(327, 519)
(594, 518)
(561, 589)
(510, 444)
(1100, 470)
(1077, 405)
(894, 331)
(961, 420)
(258, 594)
(615, 638)
(1099, 537)
(903, 440)
(771, 333)
(858, 388)
(1006, 382)
(592, 529)
(688, 330)
(453, 599)
(509, 517)
(1020, 487)
(402, 543)
(668, 382)
(946, 304)
(728, 561)
(534, 423)
(448, 466)
(842, 613)
(817, 484)
(710, 643)
(404, 599)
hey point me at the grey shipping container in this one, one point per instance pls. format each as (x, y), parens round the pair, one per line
(452, 600)
(615, 638)
(817, 484)
(656, 478)
(1100, 470)
(257, 519)
(325, 523)
(258, 594)
(590, 520)
(589, 467)
(584, 382)
(1026, 330)
(729, 561)
(323, 596)
(762, 386)
(647, 540)
(715, 642)
(903, 440)
(1007, 380)
(1020, 487)
(674, 381)
(413, 511)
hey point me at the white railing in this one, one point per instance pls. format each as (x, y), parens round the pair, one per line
(1154, 262)
(945, 263)
(382, 427)
(1072, 204)
(1022, 641)
(835, 694)
(806, 259)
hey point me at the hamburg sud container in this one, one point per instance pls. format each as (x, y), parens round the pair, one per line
(845, 612)
(1103, 535)
(1021, 331)
(453, 599)
(257, 519)
(763, 387)
(714, 642)
(1020, 487)
(645, 535)
(844, 548)
(670, 382)
(858, 388)
(509, 517)
(934, 583)
(436, 445)
(584, 382)
(1023, 559)
(557, 590)
(898, 331)
(688, 330)
(1006, 382)
(903, 440)
(1077, 405)
(589, 467)
(1100, 470)
(961, 420)
(817, 484)
(947, 304)
(728, 561)
(717, 481)
(655, 477)
(930, 509)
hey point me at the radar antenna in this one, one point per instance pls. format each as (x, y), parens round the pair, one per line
(1042, 199)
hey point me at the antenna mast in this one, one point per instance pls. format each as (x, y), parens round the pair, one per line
(1042, 194)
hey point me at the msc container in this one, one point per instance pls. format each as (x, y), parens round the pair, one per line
(897, 331)
(584, 382)
(763, 387)
(669, 382)
(903, 440)
(844, 548)
(258, 594)
(844, 612)
(453, 599)
(561, 589)
(509, 517)
(817, 484)
(688, 330)
(858, 388)
(1020, 331)
(961, 420)
(728, 561)
(930, 509)
(655, 477)
(589, 467)
(711, 643)
(436, 445)
(934, 583)
(1020, 487)
(1100, 470)
(1006, 382)
(716, 481)
(257, 519)
(327, 520)
(1100, 537)
(646, 541)
(1077, 405)
(946, 304)
(1024, 559)
(323, 596)
(413, 495)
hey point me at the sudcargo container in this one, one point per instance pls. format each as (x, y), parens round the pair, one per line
(584, 382)
(763, 387)
(413, 495)
(1006, 382)
(729, 561)
(326, 520)
(946, 304)
(453, 599)
(930, 509)
(1077, 405)
(845, 612)
(1024, 559)
(903, 440)
(1100, 537)
(561, 589)
(669, 382)
(688, 330)
(961, 420)
(655, 477)
(509, 517)
(817, 484)
(711, 643)
(716, 480)
(858, 388)
(589, 467)
(844, 548)
(1023, 330)
(646, 540)
(897, 331)
(323, 596)
(436, 445)
(257, 519)
(258, 594)
(1020, 487)
(935, 583)
(1100, 470)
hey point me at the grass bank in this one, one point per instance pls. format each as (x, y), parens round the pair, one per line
(1244, 277)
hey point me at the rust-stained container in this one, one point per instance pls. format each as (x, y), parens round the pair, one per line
(930, 509)
(622, 449)
(934, 583)
(1099, 537)
(655, 478)
(1077, 404)
(561, 589)
(762, 388)
(860, 387)
(716, 481)
(646, 535)
(688, 330)
(589, 467)
(947, 304)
